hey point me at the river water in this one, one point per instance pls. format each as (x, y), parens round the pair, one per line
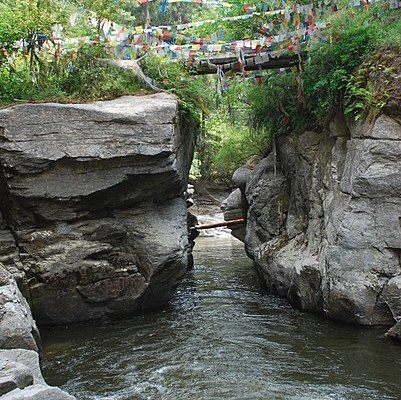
(223, 338)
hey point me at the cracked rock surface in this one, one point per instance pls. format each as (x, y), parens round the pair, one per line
(324, 221)
(94, 221)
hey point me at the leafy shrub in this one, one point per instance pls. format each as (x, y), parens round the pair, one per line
(192, 91)
(374, 84)
(228, 146)
(77, 78)
(331, 81)
(331, 64)
(275, 106)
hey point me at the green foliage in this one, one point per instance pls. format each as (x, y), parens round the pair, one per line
(175, 13)
(360, 97)
(229, 30)
(275, 105)
(228, 145)
(173, 76)
(374, 83)
(73, 79)
(335, 78)
(89, 80)
(387, 31)
(23, 18)
(331, 64)
(33, 74)
(331, 80)
(120, 11)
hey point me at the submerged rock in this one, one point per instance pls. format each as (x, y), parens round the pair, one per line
(93, 195)
(323, 221)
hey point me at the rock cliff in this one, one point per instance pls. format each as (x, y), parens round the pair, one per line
(324, 220)
(94, 218)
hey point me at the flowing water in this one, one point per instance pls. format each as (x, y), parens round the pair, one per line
(223, 338)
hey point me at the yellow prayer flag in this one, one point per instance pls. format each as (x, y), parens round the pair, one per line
(139, 30)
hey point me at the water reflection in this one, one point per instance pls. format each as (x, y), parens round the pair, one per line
(223, 338)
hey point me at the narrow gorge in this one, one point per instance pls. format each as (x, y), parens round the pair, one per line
(200, 201)
(95, 228)
(96, 237)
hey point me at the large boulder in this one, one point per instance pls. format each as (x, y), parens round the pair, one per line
(234, 207)
(18, 369)
(267, 195)
(20, 374)
(323, 221)
(93, 195)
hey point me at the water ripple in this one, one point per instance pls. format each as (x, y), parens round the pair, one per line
(223, 338)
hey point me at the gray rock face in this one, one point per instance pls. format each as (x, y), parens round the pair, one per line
(323, 222)
(92, 198)
(267, 219)
(17, 327)
(20, 375)
(29, 359)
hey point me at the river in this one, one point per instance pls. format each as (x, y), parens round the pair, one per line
(222, 338)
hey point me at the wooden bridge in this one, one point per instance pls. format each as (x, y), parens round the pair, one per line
(251, 63)
(259, 61)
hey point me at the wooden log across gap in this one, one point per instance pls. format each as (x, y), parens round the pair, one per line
(204, 67)
(239, 221)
